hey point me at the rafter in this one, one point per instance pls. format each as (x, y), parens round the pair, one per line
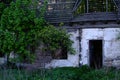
(117, 3)
(76, 5)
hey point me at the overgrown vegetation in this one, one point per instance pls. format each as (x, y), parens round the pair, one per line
(20, 28)
(23, 28)
(2, 7)
(65, 73)
(54, 38)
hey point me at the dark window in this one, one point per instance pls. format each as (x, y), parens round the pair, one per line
(1, 54)
(60, 54)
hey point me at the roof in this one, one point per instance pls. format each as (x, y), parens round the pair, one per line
(63, 11)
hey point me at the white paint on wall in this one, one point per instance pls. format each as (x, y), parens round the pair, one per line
(2, 60)
(89, 34)
(111, 45)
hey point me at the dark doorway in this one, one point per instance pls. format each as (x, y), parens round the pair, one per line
(95, 53)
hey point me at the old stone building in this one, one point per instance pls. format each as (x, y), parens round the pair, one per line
(95, 28)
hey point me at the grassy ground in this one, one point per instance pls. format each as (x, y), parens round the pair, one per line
(65, 73)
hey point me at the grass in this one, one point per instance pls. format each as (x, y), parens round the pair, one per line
(64, 73)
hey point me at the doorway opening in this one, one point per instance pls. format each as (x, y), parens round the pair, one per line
(95, 54)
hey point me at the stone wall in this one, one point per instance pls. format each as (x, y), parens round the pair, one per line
(81, 37)
(111, 45)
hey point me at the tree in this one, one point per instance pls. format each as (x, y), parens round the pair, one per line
(2, 7)
(19, 29)
(22, 30)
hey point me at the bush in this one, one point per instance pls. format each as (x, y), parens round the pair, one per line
(2, 7)
(54, 38)
(69, 73)
(84, 73)
(102, 74)
(22, 31)
(19, 29)
(64, 73)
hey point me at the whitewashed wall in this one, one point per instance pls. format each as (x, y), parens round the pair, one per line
(2, 60)
(111, 45)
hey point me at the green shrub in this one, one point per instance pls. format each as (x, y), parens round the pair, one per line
(102, 74)
(54, 39)
(2, 7)
(68, 73)
(64, 73)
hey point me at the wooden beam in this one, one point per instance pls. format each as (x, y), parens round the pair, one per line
(87, 6)
(76, 5)
(106, 5)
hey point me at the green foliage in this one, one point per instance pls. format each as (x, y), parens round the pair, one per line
(69, 73)
(54, 38)
(2, 7)
(102, 74)
(81, 8)
(13, 74)
(22, 30)
(64, 73)
(7, 39)
(20, 27)
(84, 73)
(61, 24)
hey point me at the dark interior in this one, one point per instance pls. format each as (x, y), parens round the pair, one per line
(1, 54)
(95, 53)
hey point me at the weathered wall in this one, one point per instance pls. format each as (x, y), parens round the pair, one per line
(111, 45)
(2, 60)
(72, 60)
